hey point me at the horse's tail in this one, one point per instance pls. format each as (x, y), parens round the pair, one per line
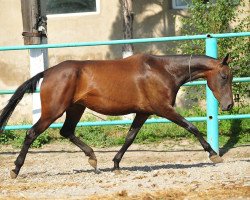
(28, 86)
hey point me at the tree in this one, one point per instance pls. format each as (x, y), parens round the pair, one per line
(128, 18)
(218, 17)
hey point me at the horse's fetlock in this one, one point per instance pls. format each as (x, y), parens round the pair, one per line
(19, 162)
(92, 156)
(116, 160)
(116, 164)
(212, 153)
(90, 153)
(207, 147)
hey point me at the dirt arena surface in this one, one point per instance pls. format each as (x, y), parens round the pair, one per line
(168, 170)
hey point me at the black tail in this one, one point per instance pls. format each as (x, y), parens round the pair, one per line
(28, 86)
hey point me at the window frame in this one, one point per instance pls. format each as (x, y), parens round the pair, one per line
(77, 14)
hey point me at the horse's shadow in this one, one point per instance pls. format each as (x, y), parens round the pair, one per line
(124, 170)
(236, 127)
(144, 168)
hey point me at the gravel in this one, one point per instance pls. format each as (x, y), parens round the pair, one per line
(167, 170)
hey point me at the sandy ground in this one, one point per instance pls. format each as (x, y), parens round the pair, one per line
(156, 171)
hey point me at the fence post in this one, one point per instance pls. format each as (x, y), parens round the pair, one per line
(34, 32)
(38, 63)
(212, 103)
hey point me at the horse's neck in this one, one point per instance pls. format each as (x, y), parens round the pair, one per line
(198, 70)
(192, 68)
(201, 66)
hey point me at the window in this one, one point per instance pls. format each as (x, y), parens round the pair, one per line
(180, 4)
(70, 7)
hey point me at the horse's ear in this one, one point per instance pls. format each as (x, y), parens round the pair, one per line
(225, 60)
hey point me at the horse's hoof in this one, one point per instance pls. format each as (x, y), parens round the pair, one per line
(97, 171)
(93, 163)
(13, 174)
(115, 169)
(216, 159)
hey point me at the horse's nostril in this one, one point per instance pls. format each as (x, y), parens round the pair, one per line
(229, 107)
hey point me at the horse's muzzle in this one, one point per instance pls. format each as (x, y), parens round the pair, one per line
(227, 107)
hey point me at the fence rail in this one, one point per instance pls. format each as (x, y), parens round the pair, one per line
(126, 122)
(128, 41)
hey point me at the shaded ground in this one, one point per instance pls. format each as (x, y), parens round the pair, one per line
(167, 170)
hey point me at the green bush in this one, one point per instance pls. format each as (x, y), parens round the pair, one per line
(16, 138)
(6, 137)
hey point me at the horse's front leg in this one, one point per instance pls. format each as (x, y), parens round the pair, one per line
(172, 115)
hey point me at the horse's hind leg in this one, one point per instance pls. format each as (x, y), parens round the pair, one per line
(32, 134)
(134, 129)
(73, 115)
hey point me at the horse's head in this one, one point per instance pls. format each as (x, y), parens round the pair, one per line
(219, 80)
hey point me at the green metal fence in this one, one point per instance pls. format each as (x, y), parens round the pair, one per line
(212, 108)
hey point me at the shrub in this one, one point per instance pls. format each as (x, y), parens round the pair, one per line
(205, 18)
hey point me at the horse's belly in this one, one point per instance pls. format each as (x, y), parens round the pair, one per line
(111, 109)
(108, 106)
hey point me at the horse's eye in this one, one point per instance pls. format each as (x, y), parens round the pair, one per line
(223, 76)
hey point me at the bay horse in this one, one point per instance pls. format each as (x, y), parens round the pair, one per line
(142, 84)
